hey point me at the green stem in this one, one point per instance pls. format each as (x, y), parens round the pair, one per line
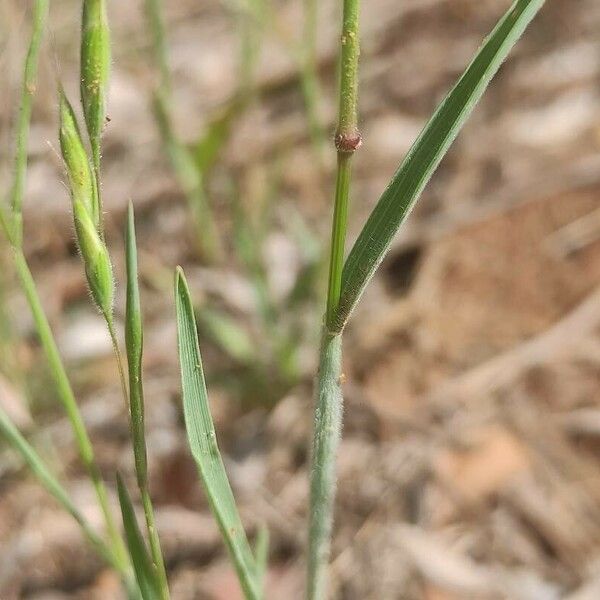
(40, 12)
(98, 193)
(347, 140)
(110, 324)
(6, 226)
(329, 402)
(67, 398)
(328, 427)
(338, 234)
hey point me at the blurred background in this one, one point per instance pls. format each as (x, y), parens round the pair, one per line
(470, 465)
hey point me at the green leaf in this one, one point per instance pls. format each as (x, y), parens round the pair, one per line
(145, 572)
(399, 198)
(134, 341)
(75, 158)
(203, 442)
(261, 551)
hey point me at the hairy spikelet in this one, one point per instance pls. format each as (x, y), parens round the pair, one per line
(98, 268)
(81, 180)
(95, 68)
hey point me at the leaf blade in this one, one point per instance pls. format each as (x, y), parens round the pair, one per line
(134, 342)
(145, 572)
(261, 551)
(416, 170)
(203, 443)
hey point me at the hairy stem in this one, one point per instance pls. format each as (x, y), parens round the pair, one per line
(328, 425)
(329, 401)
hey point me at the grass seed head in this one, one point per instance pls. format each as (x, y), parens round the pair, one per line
(81, 180)
(95, 68)
(98, 268)
(96, 259)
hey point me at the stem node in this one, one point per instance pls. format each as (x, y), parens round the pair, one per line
(348, 143)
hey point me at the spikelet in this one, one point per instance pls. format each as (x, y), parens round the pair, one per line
(95, 68)
(98, 268)
(81, 179)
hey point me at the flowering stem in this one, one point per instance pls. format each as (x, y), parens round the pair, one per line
(329, 402)
(347, 141)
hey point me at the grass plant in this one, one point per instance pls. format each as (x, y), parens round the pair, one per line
(348, 277)
(86, 200)
(347, 280)
(12, 224)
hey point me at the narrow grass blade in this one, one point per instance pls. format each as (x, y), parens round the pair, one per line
(419, 165)
(40, 13)
(142, 565)
(37, 466)
(134, 342)
(261, 551)
(203, 442)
